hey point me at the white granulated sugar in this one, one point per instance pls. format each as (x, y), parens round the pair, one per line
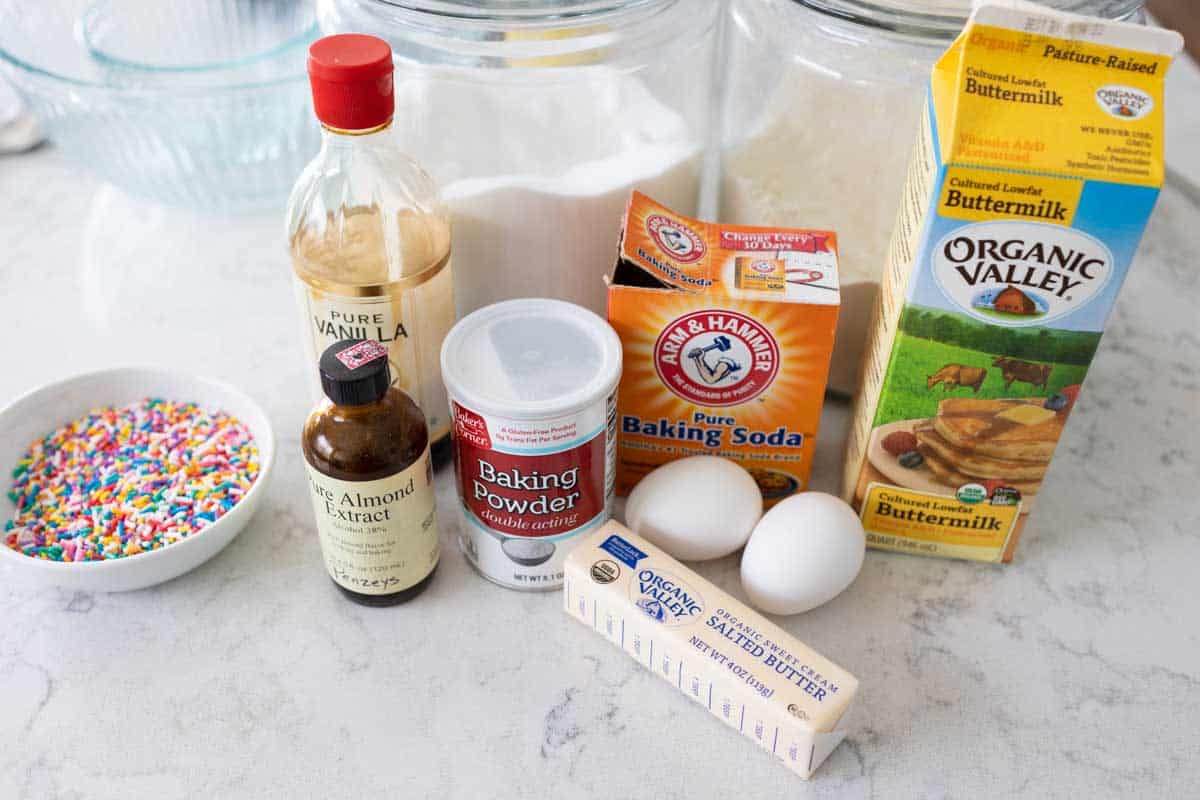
(535, 237)
(537, 170)
(829, 154)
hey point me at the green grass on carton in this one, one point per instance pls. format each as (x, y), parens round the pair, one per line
(905, 395)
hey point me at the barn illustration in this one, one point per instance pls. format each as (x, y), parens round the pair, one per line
(1013, 301)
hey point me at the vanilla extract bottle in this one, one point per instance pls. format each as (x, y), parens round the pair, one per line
(368, 235)
(366, 448)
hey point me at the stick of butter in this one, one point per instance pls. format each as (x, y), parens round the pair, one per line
(747, 671)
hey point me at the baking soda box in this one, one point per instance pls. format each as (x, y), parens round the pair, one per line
(727, 333)
(1039, 161)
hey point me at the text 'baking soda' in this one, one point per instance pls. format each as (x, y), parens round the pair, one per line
(727, 333)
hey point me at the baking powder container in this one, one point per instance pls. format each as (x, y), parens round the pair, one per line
(532, 386)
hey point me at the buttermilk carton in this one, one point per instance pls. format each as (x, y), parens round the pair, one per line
(727, 333)
(1038, 163)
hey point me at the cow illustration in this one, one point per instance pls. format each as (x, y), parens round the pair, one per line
(1035, 375)
(952, 376)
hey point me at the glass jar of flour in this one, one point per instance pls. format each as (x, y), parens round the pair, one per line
(538, 118)
(821, 104)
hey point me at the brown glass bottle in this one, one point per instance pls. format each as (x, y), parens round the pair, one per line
(371, 479)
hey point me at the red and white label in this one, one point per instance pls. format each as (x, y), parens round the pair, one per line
(533, 495)
(528, 488)
(364, 352)
(790, 241)
(716, 357)
(471, 428)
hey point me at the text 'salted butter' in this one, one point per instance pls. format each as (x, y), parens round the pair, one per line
(748, 672)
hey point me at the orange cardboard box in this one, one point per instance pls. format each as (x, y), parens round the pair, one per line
(727, 332)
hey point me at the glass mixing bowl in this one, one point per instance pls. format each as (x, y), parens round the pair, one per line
(204, 104)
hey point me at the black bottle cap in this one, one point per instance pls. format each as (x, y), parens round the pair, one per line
(355, 372)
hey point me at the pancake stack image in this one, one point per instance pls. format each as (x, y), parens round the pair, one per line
(972, 441)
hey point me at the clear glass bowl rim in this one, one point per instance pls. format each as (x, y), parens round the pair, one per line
(92, 16)
(176, 82)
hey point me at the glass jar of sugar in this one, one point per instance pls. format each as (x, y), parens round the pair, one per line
(821, 104)
(538, 118)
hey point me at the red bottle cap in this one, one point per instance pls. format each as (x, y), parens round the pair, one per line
(351, 77)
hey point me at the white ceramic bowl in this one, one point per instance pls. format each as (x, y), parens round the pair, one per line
(53, 405)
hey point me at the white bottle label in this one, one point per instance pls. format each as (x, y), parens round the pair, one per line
(377, 537)
(410, 321)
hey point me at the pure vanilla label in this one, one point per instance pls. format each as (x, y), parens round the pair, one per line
(380, 536)
(410, 322)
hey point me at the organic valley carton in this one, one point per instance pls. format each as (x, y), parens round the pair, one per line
(1037, 166)
(727, 333)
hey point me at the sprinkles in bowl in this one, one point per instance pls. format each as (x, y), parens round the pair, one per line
(123, 481)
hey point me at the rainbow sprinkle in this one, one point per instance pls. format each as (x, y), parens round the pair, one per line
(123, 481)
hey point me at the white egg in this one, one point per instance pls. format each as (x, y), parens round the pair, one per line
(804, 552)
(695, 508)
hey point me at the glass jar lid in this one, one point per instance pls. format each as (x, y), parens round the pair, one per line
(945, 18)
(531, 358)
(530, 11)
(514, 34)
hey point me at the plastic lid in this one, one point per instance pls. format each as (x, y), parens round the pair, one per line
(355, 372)
(351, 77)
(531, 358)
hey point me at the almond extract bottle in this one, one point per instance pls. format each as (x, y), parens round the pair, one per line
(366, 448)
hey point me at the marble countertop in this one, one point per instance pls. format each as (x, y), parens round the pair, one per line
(1073, 672)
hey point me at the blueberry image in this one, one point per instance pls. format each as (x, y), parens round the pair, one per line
(1056, 402)
(912, 459)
